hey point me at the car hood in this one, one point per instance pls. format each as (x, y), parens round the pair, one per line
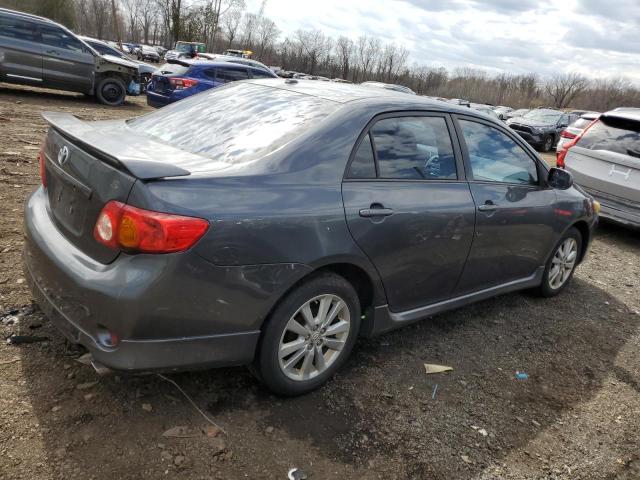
(531, 123)
(119, 61)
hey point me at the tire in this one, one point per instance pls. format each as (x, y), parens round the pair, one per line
(551, 284)
(298, 371)
(111, 91)
(547, 145)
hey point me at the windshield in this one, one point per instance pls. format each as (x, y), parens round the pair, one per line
(186, 47)
(542, 115)
(235, 124)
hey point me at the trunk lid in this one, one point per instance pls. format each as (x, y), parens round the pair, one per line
(604, 171)
(86, 166)
(78, 186)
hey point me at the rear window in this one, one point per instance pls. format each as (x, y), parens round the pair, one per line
(173, 69)
(235, 124)
(613, 135)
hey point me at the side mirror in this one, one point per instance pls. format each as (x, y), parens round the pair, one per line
(559, 179)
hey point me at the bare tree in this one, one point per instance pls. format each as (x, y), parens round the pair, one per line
(345, 50)
(311, 43)
(147, 15)
(564, 87)
(230, 24)
(368, 49)
(267, 34)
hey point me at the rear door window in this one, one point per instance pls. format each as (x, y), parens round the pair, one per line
(416, 148)
(174, 69)
(613, 135)
(495, 157)
(226, 75)
(16, 28)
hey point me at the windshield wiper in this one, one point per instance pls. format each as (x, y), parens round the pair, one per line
(633, 153)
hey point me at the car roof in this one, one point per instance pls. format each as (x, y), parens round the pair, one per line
(348, 92)
(624, 113)
(214, 63)
(30, 16)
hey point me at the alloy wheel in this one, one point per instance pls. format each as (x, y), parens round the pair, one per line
(314, 337)
(563, 263)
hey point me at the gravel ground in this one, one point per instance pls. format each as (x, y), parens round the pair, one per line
(577, 416)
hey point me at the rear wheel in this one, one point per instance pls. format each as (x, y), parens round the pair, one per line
(547, 145)
(111, 91)
(309, 335)
(562, 264)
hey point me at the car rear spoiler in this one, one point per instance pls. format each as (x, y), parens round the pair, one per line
(177, 61)
(114, 151)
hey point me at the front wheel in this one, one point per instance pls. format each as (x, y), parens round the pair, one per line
(111, 91)
(309, 335)
(547, 145)
(562, 264)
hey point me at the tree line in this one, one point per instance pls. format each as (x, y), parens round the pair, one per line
(223, 24)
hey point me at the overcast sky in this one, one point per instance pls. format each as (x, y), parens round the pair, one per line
(599, 38)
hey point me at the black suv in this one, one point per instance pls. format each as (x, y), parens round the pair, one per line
(542, 127)
(36, 51)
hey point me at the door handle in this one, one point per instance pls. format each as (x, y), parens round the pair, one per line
(376, 212)
(489, 206)
(53, 52)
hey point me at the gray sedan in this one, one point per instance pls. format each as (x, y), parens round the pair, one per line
(605, 161)
(272, 222)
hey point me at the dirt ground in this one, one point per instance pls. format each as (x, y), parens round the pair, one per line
(577, 416)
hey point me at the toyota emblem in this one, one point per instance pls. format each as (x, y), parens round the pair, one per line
(63, 155)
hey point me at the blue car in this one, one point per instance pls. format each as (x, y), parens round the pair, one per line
(179, 79)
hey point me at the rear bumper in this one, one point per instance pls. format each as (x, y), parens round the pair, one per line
(157, 100)
(174, 311)
(615, 208)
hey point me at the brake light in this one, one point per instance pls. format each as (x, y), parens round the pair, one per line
(136, 230)
(42, 166)
(561, 155)
(567, 134)
(182, 83)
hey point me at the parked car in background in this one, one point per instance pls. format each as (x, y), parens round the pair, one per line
(161, 50)
(272, 222)
(238, 60)
(184, 50)
(575, 129)
(238, 53)
(541, 127)
(179, 79)
(147, 52)
(388, 86)
(460, 101)
(516, 113)
(39, 52)
(486, 109)
(502, 112)
(604, 159)
(103, 48)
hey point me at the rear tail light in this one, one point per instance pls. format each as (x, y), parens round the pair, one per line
(136, 230)
(566, 134)
(42, 166)
(561, 155)
(182, 83)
